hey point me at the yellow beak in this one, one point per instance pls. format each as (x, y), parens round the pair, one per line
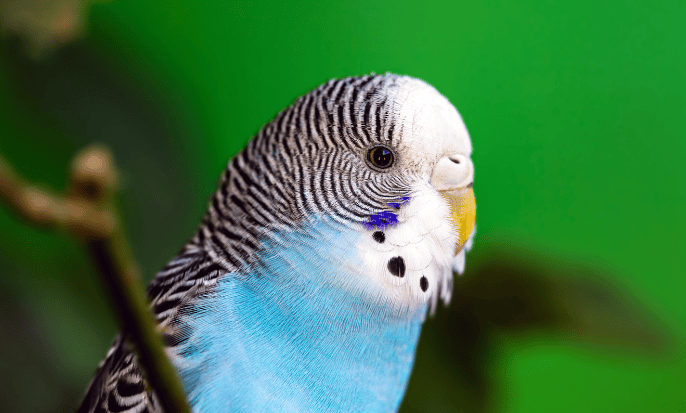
(452, 178)
(462, 213)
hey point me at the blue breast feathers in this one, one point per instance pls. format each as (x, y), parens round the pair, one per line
(303, 331)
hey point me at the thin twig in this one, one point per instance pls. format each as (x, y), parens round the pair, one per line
(86, 211)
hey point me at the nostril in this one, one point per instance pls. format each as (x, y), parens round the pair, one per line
(455, 159)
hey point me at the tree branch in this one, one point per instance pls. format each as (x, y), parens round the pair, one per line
(86, 211)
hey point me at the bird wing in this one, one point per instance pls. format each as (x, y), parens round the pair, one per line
(119, 384)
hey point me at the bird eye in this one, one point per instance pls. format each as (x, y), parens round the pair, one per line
(380, 157)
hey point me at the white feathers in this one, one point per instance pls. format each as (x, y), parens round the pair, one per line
(459, 263)
(425, 240)
(431, 126)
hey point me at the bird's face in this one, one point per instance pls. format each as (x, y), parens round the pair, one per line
(392, 158)
(387, 157)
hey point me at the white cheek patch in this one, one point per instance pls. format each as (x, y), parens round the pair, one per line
(413, 259)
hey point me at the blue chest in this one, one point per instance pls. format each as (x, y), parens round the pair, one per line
(301, 331)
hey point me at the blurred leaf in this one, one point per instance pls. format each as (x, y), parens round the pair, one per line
(512, 291)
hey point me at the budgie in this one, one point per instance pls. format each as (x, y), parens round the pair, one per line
(332, 236)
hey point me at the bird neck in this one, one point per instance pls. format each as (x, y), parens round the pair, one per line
(299, 332)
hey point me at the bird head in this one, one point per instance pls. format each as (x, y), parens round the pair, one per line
(385, 156)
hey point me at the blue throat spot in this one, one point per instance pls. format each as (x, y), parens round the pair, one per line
(384, 219)
(400, 202)
(381, 220)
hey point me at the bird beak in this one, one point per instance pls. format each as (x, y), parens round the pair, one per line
(453, 177)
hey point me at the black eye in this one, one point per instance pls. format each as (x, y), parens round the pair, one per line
(380, 157)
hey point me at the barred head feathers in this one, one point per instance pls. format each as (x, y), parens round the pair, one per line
(313, 161)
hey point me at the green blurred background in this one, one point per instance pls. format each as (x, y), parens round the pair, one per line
(576, 112)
